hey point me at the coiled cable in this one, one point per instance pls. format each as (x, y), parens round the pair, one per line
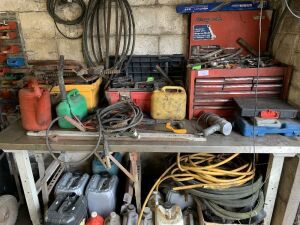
(117, 118)
(120, 117)
(221, 173)
(51, 8)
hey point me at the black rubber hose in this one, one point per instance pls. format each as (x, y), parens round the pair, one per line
(96, 39)
(235, 195)
(51, 8)
(217, 210)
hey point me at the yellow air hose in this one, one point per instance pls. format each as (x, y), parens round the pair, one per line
(207, 170)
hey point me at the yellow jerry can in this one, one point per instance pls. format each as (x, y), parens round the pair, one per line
(169, 103)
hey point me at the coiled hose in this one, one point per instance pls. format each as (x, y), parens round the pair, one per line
(51, 8)
(219, 180)
(97, 32)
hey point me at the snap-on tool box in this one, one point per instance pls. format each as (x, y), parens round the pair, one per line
(136, 74)
(223, 29)
(213, 90)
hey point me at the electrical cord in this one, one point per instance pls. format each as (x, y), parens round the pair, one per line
(120, 117)
(51, 8)
(117, 118)
(51, 151)
(209, 171)
(291, 11)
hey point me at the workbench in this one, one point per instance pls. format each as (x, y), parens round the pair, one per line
(14, 140)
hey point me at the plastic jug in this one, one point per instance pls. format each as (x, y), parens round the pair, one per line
(182, 199)
(113, 219)
(74, 105)
(169, 103)
(72, 183)
(98, 167)
(147, 218)
(67, 209)
(130, 217)
(35, 107)
(101, 194)
(168, 214)
(95, 219)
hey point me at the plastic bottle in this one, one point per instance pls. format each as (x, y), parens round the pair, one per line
(130, 217)
(168, 214)
(95, 219)
(113, 219)
(147, 218)
(155, 199)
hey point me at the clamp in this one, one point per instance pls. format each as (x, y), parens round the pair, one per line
(176, 127)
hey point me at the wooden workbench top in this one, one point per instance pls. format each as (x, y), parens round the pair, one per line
(15, 138)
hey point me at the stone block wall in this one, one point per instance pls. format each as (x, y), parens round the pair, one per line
(159, 29)
(286, 49)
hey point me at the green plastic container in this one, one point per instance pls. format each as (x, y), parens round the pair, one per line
(74, 105)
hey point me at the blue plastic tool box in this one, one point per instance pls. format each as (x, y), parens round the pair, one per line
(289, 127)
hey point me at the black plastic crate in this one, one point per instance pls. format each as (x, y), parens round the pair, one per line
(143, 66)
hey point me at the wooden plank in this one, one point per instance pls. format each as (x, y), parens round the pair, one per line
(24, 167)
(274, 172)
(41, 167)
(135, 166)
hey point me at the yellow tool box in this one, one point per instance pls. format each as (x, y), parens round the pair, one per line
(89, 91)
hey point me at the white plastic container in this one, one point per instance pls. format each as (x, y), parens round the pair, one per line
(168, 214)
(101, 194)
(72, 183)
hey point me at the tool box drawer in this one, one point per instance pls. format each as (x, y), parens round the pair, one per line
(213, 90)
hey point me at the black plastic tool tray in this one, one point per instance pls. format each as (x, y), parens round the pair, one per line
(142, 66)
(246, 107)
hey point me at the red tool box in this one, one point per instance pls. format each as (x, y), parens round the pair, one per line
(140, 98)
(223, 29)
(213, 90)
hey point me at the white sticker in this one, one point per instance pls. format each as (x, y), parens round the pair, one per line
(203, 73)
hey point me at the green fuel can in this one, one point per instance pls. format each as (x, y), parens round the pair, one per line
(73, 106)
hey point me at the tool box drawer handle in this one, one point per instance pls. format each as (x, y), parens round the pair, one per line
(73, 92)
(179, 89)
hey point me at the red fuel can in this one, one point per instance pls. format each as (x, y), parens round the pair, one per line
(95, 219)
(35, 107)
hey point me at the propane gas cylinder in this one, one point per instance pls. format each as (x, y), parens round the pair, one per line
(95, 219)
(35, 107)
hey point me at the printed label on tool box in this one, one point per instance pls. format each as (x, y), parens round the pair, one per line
(202, 73)
(203, 32)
